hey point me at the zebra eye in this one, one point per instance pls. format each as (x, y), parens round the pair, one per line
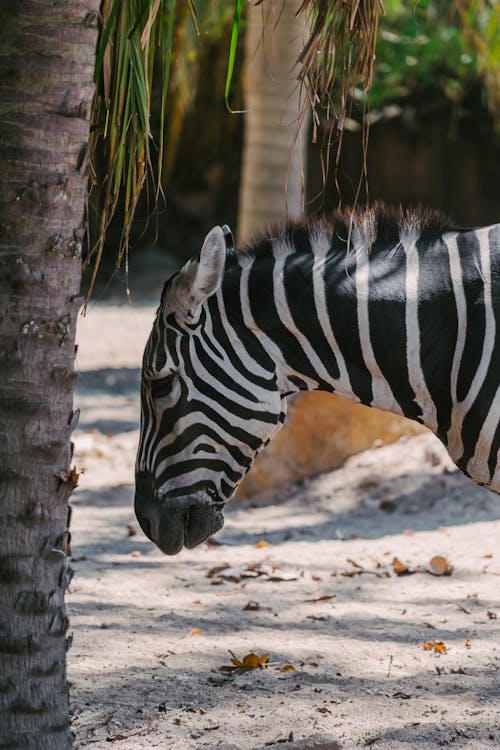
(161, 387)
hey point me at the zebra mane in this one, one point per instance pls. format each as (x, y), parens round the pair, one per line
(379, 223)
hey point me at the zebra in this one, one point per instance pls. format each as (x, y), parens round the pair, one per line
(393, 308)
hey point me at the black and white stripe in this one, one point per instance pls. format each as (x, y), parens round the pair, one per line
(393, 309)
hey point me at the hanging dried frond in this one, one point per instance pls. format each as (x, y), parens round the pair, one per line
(339, 54)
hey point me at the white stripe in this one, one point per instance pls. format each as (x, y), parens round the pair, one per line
(462, 408)
(490, 327)
(478, 467)
(248, 362)
(320, 244)
(284, 313)
(413, 356)
(383, 397)
(454, 437)
(203, 375)
(282, 368)
(199, 418)
(495, 482)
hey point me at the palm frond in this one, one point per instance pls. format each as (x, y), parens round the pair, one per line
(134, 34)
(232, 50)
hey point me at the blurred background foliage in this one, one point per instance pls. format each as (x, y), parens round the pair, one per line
(437, 46)
(164, 145)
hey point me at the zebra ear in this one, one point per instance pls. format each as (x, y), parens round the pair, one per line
(202, 276)
(211, 261)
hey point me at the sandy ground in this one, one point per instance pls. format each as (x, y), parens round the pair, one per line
(309, 579)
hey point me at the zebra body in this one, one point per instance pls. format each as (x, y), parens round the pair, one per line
(396, 311)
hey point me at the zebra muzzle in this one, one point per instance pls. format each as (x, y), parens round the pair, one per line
(174, 522)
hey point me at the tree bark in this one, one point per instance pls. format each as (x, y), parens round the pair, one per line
(47, 54)
(274, 144)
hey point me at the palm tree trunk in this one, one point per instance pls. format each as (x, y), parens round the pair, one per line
(274, 144)
(47, 53)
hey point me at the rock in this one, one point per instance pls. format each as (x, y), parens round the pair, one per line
(320, 433)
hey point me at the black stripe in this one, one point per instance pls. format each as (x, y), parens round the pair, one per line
(264, 311)
(191, 434)
(299, 288)
(476, 416)
(495, 447)
(206, 464)
(228, 489)
(209, 344)
(221, 376)
(387, 317)
(147, 421)
(468, 247)
(232, 304)
(191, 489)
(232, 406)
(438, 323)
(185, 406)
(172, 337)
(341, 303)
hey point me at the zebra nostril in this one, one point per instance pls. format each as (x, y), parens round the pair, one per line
(212, 492)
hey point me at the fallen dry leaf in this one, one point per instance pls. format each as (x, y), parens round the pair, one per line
(360, 570)
(258, 570)
(249, 661)
(439, 566)
(261, 543)
(437, 646)
(287, 668)
(194, 631)
(216, 570)
(400, 568)
(321, 598)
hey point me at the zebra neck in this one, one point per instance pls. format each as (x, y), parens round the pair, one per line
(376, 324)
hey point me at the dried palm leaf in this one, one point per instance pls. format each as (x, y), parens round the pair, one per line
(339, 55)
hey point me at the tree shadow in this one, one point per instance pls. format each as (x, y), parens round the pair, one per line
(428, 502)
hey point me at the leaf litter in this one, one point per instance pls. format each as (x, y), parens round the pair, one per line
(221, 573)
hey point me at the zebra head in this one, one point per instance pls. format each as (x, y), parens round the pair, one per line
(207, 407)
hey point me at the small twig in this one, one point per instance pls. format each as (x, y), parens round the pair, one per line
(391, 659)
